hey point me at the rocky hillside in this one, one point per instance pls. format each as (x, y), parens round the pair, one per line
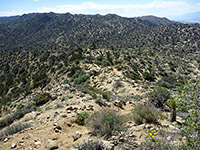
(96, 82)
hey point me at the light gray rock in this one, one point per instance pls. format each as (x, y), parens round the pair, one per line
(5, 140)
(107, 145)
(38, 144)
(77, 135)
(14, 145)
(51, 145)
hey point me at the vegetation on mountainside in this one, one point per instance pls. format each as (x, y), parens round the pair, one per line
(153, 56)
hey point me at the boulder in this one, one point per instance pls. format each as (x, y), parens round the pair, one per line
(77, 135)
(51, 145)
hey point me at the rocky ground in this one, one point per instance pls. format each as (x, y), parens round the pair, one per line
(54, 126)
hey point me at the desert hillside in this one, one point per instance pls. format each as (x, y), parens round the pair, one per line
(92, 82)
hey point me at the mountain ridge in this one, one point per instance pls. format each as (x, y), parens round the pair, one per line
(41, 27)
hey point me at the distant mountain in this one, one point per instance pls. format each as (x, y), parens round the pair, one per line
(188, 18)
(61, 31)
(156, 20)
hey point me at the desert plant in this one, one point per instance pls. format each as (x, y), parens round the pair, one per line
(145, 114)
(57, 106)
(81, 117)
(106, 95)
(172, 105)
(41, 99)
(156, 143)
(14, 129)
(106, 122)
(148, 76)
(89, 145)
(189, 100)
(118, 84)
(159, 96)
(15, 116)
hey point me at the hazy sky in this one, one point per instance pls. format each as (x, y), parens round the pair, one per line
(127, 8)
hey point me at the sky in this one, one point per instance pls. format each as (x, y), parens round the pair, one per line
(125, 8)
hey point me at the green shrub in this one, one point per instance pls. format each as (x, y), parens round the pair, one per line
(106, 122)
(80, 118)
(158, 97)
(189, 100)
(97, 145)
(165, 84)
(148, 76)
(132, 75)
(145, 114)
(106, 95)
(81, 79)
(41, 99)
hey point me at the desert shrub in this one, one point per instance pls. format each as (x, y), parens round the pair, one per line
(156, 144)
(73, 70)
(118, 84)
(189, 100)
(14, 129)
(90, 145)
(132, 75)
(15, 116)
(57, 106)
(81, 79)
(148, 76)
(39, 79)
(172, 66)
(41, 99)
(98, 100)
(106, 122)
(105, 63)
(164, 84)
(81, 117)
(159, 96)
(78, 75)
(106, 95)
(145, 114)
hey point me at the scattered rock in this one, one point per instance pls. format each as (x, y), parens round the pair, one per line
(5, 140)
(69, 108)
(174, 128)
(84, 99)
(90, 107)
(169, 138)
(68, 111)
(107, 145)
(63, 115)
(51, 145)
(57, 127)
(148, 126)
(76, 135)
(38, 144)
(118, 103)
(138, 128)
(83, 106)
(14, 145)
